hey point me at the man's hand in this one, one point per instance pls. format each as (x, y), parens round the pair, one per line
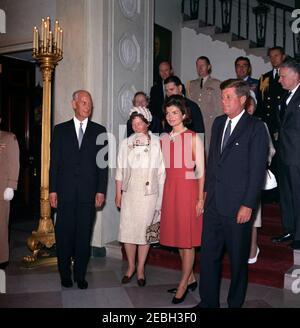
(99, 200)
(2, 147)
(244, 214)
(8, 194)
(53, 199)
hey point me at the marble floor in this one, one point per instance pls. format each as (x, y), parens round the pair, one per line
(40, 287)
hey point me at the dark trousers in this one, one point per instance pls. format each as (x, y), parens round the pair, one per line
(289, 183)
(221, 232)
(73, 231)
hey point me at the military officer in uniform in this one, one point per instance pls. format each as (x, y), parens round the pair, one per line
(205, 91)
(9, 172)
(269, 98)
(270, 93)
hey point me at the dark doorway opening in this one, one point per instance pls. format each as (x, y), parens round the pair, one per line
(21, 108)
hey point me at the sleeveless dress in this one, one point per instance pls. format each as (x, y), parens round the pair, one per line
(179, 225)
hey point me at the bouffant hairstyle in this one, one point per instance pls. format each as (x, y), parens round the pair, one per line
(181, 103)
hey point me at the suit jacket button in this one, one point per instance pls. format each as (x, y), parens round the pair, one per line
(147, 183)
(268, 106)
(269, 98)
(278, 97)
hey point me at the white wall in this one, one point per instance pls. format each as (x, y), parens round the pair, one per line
(168, 15)
(221, 56)
(21, 17)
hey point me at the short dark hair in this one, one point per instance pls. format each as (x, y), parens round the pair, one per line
(179, 102)
(246, 59)
(241, 87)
(291, 63)
(206, 59)
(136, 114)
(276, 48)
(140, 93)
(173, 79)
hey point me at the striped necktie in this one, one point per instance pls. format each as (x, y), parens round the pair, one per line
(226, 135)
(80, 135)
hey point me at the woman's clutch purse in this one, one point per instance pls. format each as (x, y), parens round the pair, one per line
(153, 230)
(270, 181)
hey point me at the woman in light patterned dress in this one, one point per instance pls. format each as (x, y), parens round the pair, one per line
(140, 178)
(254, 250)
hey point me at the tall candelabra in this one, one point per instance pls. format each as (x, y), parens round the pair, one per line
(47, 51)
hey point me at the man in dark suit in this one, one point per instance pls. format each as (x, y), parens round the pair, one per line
(174, 86)
(157, 93)
(77, 186)
(289, 154)
(243, 70)
(234, 177)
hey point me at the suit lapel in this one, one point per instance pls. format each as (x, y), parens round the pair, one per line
(86, 135)
(220, 134)
(291, 106)
(72, 132)
(240, 127)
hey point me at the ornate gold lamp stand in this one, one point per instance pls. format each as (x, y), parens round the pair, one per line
(47, 51)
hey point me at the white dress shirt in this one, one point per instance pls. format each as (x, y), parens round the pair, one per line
(77, 125)
(292, 93)
(275, 71)
(234, 122)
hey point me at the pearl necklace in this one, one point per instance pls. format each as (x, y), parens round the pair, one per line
(144, 141)
(173, 135)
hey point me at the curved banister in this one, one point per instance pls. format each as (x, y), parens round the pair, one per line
(280, 22)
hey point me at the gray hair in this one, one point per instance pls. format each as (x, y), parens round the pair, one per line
(292, 64)
(77, 92)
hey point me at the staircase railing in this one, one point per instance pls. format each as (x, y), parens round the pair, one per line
(266, 23)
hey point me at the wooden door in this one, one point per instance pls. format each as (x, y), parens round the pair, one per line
(20, 115)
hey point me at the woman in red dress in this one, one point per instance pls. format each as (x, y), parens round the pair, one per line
(183, 199)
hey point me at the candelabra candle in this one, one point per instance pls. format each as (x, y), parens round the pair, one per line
(35, 39)
(55, 35)
(43, 32)
(50, 42)
(45, 38)
(60, 40)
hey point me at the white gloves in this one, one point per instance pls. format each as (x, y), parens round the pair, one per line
(8, 194)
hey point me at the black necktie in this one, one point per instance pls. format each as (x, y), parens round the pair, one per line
(276, 75)
(283, 106)
(201, 83)
(226, 136)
